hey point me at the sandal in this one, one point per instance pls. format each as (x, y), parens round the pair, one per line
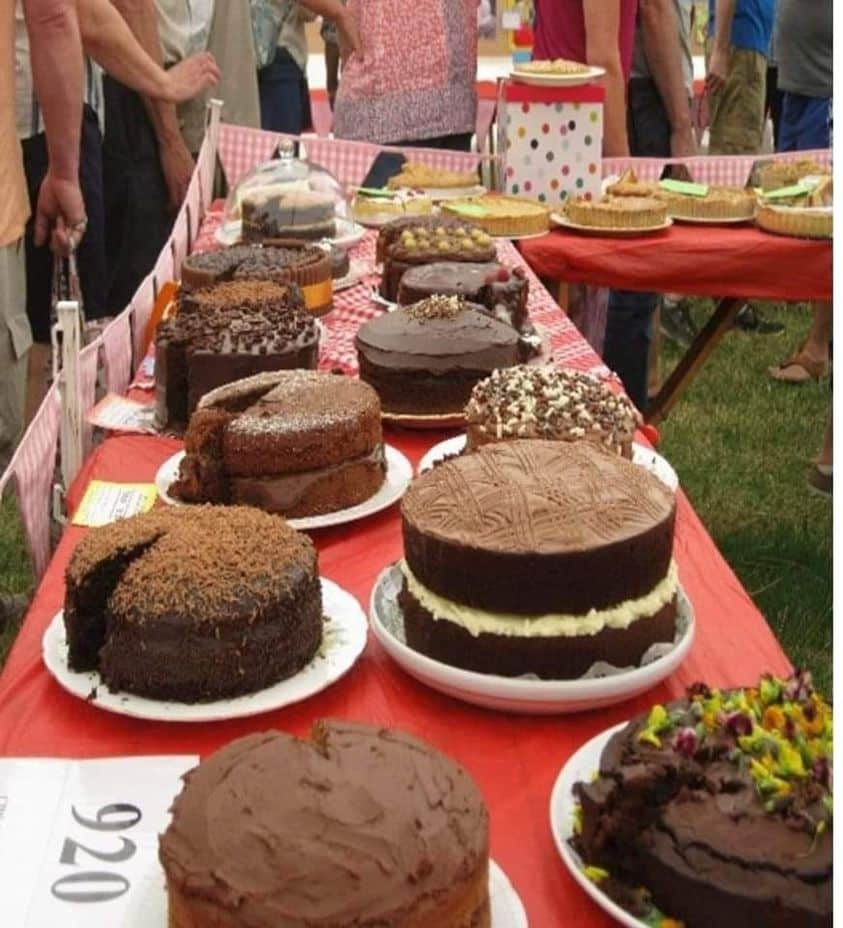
(799, 369)
(820, 480)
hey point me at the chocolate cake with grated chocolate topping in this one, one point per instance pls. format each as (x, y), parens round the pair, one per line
(300, 443)
(538, 557)
(355, 826)
(717, 809)
(226, 332)
(193, 604)
(424, 359)
(549, 402)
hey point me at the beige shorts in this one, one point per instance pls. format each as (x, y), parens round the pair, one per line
(737, 111)
(15, 341)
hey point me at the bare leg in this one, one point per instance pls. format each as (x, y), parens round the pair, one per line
(819, 335)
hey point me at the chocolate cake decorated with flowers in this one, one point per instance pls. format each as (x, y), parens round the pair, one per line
(717, 810)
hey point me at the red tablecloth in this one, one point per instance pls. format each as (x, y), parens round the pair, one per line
(515, 759)
(704, 260)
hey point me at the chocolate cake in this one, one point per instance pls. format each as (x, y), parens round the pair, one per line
(550, 402)
(393, 230)
(717, 809)
(224, 333)
(299, 443)
(538, 557)
(502, 291)
(279, 212)
(424, 359)
(356, 826)
(206, 268)
(193, 604)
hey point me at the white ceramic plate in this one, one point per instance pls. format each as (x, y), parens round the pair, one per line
(557, 80)
(641, 455)
(150, 906)
(519, 694)
(582, 766)
(557, 219)
(348, 232)
(700, 221)
(399, 472)
(344, 638)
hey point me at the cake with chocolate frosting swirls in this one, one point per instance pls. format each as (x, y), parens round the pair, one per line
(354, 826)
(538, 557)
(299, 443)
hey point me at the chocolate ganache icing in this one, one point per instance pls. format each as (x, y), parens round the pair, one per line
(357, 826)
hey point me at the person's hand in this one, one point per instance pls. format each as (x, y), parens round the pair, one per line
(177, 166)
(348, 36)
(682, 142)
(190, 77)
(718, 69)
(59, 214)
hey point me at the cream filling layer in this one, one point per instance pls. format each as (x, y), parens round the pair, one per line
(479, 621)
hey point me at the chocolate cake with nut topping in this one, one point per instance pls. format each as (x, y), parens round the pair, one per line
(424, 359)
(717, 809)
(193, 604)
(353, 827)
(226, 332)
(300, 443)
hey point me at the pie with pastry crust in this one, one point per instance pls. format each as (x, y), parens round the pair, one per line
(501, 215)
(416, 175)
(618, 212)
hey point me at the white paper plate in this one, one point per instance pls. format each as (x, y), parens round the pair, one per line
(641, 455)
(518, 694)
(150, 908)
(348, 232)
(582, 766)
(343, 641)
(399, 472)
(557, 80)
(557, 219)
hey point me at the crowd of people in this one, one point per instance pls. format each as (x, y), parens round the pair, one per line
(107, 98)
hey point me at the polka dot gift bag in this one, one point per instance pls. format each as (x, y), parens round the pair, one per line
(552, 138)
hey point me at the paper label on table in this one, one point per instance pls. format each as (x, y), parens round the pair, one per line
(79, 840)
(685, 187)
(376, 192)
(145, 377)
(106, 502)
(120, 414)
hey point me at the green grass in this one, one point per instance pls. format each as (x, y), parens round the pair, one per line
(741, 443)
(16, 575)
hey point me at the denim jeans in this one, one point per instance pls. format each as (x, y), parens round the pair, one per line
(284, 95)
(626, 347)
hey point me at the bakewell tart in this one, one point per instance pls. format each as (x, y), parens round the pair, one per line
(420, 176)
(424, 359)
(716, 809)
(617, 212)
(427, 244)
(226, 332)
(193, 604)
(729, 204)
(538, 557)
(379, 207)
(549, 402)
(502, 291)
(299, 443)
(354, 826)
(505, 216)
(279, 212)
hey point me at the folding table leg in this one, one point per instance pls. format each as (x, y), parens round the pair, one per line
(689, 365)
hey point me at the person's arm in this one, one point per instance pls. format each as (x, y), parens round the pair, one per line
(718, 62)
(56, 60)
(660, 32)
(347, 35)
(602, 21)
(109, 41)
(176, 160)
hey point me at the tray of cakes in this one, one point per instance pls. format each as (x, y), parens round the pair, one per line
(556, 72)
(200, 614)
(715, 809)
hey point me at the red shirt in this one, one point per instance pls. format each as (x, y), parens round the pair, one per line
(560, 31)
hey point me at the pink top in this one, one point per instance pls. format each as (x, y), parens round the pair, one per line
(560, 31)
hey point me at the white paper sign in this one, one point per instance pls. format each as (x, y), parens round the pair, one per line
(79, 840)
(120, 414)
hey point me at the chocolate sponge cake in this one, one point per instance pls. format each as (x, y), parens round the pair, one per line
(280, 212)
(226, 332)
(538, 557)
(424, 359)
(717, 809)
(355, 826)
(193, 604)
(299, 443)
